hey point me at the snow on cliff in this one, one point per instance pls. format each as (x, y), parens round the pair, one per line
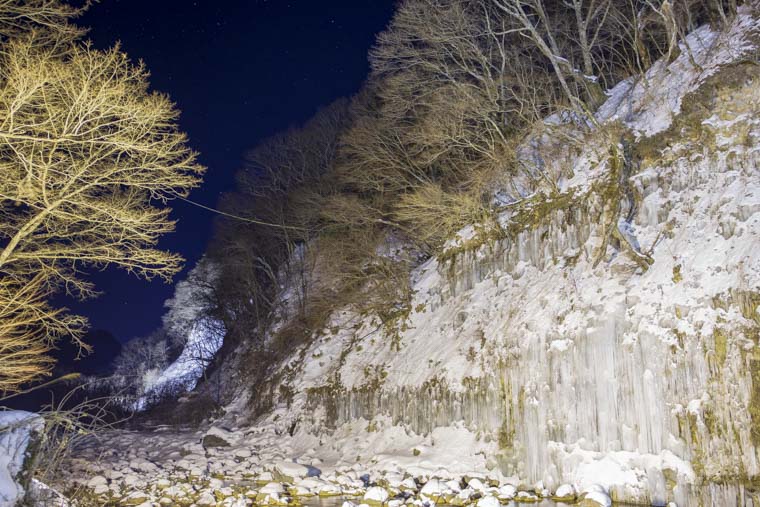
(568, 356)
(203, 342)
(188, 320)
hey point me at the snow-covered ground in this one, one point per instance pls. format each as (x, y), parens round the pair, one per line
(245, 466)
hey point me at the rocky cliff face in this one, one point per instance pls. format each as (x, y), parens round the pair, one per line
(606, 332)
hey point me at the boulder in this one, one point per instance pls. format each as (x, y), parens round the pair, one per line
(433, 489)
(272, 494)
(217, 437)
(206, 499)
(19, 432)
(272, 487)
(477, 485)
(290, 472)
(595, 496)
(211, 441)
(375, 496)
(507, 492)
(488, 501)
(96, 481)
(527, 497)
(564, 493)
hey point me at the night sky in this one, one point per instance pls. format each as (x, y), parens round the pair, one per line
(239, 71)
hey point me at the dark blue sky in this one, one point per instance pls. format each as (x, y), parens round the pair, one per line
(239, 71)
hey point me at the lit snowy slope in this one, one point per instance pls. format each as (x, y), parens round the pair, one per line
(608, 333)
(204, 340)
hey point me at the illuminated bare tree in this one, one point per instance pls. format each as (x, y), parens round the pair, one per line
(87, 155)
(50, 18)
(453, 84)
(28, 325)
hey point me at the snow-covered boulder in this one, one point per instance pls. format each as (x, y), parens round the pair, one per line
(526, 497)
(566, 492)
(290, 472)
(97, 480)
(271, 488)
(507, 492)
(206, 498)
(433, 488)
(488, 501)
(272, 494)
(408, 484)
(376, 496)
(327, 489)
(453, 486)
(595, 496)
(18, 430)
(217, 437)
(477, 485)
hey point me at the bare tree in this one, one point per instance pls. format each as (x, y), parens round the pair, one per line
(28, 326)
(453, 85)
(87, 155)
(195, 298)
(447, 76)
(283, 184)
(51, 19)
(570, 50)
(137, 368)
